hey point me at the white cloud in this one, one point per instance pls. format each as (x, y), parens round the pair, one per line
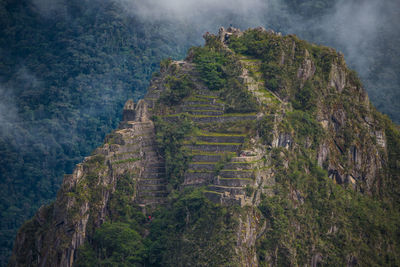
(191, 9)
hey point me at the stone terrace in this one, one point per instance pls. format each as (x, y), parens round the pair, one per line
(215, 161)
(138, 151)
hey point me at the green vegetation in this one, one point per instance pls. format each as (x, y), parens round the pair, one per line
(116, 244)
(305, 99)
(271, 75)
(238, 98)
(68, 76)
(114, 138)
(170, 140)
(228, 154)
(212, 116)
(193, 231)
(305, 127)
(267, 48)
(177, 88)
(257, 44)
(68, 69)
(226, 157)
(219, 69)
(322, 217)
(222, 144)
(238, 127)
(265, 129)
(121, 207)
(88, 188)
(308, 213)
(392, 185)
(119, 241)
(213, 66)
(249, 190)
(65, 77)
(218, 134)
(282, 77)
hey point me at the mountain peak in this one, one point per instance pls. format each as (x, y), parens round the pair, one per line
(257, 149)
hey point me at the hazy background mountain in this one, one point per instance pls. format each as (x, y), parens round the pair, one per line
(67, 67)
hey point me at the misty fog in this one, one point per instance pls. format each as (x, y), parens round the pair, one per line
(353, 27)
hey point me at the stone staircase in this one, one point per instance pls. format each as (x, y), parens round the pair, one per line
(152, 186)
(255, 83)
(137, 152)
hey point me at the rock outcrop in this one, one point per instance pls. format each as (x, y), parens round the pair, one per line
(311, 118)
(53, 236)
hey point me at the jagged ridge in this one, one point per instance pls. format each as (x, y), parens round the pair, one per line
(310, 118)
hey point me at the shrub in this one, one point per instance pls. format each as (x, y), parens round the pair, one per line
(305, 127)
(210, 64)
(265, 129)
(193, 231)
(114, 244)
(177, 88)
(238, 99)
(271, 73)
(170, 139)
(305, 98)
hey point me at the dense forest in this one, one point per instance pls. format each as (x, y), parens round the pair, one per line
(63, 84)
(67, 67)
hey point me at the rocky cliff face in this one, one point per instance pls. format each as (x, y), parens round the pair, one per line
(279, 131)
(53, 236)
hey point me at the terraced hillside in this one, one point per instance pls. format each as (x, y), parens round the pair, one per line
(214, 145)
(279, 134)
(217, 147)
(136, 142)
(223, 156)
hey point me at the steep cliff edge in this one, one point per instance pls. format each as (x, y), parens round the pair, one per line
(128, 159)
(258, 149)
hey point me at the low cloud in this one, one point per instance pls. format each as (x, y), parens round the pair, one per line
(191, 9)
(350, 26)
(23, 84)
(358, 28)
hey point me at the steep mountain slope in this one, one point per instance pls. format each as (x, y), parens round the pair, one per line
(67, 67)
(258, 149)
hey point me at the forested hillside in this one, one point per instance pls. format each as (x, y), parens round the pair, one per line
(257, 149)
(67, 67)
(63, 81)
